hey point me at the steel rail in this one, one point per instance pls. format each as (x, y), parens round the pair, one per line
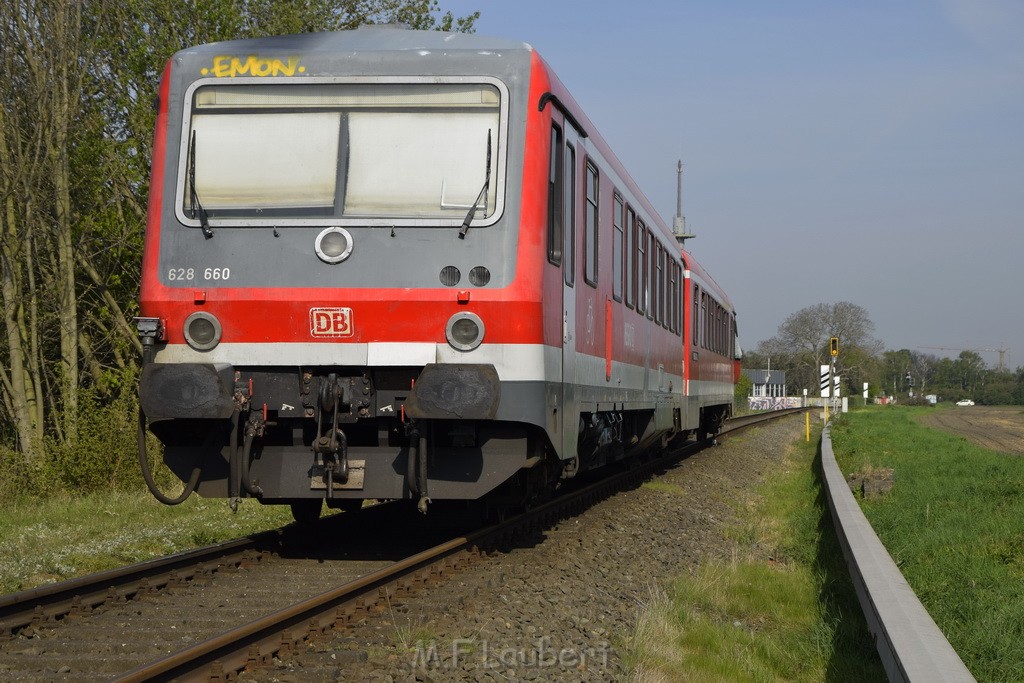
(911, 646)
(54, 601)
(744, 421)
(50, 603)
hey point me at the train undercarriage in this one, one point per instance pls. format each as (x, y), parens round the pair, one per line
(305, 437)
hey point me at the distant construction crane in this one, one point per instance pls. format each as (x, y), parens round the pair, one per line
(1000, 351)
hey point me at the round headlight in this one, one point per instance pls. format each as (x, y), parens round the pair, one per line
(465, 331)
(202, 331)
(333, 245)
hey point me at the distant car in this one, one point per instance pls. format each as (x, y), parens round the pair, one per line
(965, 402)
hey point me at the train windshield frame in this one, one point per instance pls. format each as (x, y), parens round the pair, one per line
(354, 151)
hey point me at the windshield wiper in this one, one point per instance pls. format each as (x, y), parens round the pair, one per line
(193, 199)
(483, 192)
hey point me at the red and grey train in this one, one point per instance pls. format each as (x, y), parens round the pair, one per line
(399, 264)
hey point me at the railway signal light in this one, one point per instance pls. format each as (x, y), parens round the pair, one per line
(833, 346)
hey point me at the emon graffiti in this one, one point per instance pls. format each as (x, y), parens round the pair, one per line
(226, 66)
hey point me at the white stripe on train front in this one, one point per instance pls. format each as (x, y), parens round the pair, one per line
(514, 362)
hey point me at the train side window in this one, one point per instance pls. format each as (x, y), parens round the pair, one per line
(717, 331)
(695, 322)
(679, 300)
(659, 281)
(723, 329)
(719, 328)
(704, 320)
(590, 234)
(670, 294)
(556, 178)
(641, 266)
(676, 300)
(666, 293)
(652, 270)
(569, 222)
(617, 254)
(724, 332)
(630, 256)
(713, 338)
(712, 326)
(671, 313)
(732, 336)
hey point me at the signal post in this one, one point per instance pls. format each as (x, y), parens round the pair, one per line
(828, 374)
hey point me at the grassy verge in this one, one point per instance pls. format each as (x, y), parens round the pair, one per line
(46, 540)
(782, 608)
(954, 523)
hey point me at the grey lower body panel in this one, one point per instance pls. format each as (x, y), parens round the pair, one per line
(294, 472)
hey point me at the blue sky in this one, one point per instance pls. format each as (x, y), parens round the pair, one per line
(870, 152)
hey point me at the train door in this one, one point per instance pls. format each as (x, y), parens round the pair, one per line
(570, 403)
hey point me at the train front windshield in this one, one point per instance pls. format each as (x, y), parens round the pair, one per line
(265, 152)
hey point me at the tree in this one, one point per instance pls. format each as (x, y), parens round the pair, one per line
(802, 343)
(998, 388)
(1018, 390)
(903, 371)
(77, 82)
(42, 87)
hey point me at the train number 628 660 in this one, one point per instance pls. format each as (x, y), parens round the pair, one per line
(190, 274)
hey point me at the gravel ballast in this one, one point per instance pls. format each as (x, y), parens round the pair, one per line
(563, 605)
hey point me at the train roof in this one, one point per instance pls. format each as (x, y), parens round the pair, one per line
(368, 38)
(694, 266)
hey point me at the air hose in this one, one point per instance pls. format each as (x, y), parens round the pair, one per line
(190, 485)
(147, 475)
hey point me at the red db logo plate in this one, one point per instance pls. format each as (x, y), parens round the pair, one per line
(330, 322)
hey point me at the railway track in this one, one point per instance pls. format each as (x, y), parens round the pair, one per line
(211, 613)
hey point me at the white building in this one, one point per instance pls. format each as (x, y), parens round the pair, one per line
(766, 383)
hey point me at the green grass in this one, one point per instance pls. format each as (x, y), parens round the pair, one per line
(664, 487)
(46, 540)
(782, 608)
(954, 523)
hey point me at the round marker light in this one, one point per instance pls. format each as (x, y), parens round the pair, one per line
(480, 276)
(465, 331)
(333, 245)
(202, 331)
(450, 276)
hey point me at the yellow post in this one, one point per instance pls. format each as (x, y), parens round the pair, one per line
(807, 426)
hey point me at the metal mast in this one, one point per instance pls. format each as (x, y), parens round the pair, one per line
(679, 224)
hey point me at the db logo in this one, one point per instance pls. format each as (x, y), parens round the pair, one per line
(330, 322)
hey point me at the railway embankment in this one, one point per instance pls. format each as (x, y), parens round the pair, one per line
(723, 565)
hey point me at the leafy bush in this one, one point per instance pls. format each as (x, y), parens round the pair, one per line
(105, 457)
(741, 392)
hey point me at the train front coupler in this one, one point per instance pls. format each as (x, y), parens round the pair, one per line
(331, 444)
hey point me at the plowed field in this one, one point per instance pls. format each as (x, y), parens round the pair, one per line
(997, 428)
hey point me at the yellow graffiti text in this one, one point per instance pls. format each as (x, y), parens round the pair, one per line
(226, 66)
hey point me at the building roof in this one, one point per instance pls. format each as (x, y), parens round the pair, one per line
(765, 376)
